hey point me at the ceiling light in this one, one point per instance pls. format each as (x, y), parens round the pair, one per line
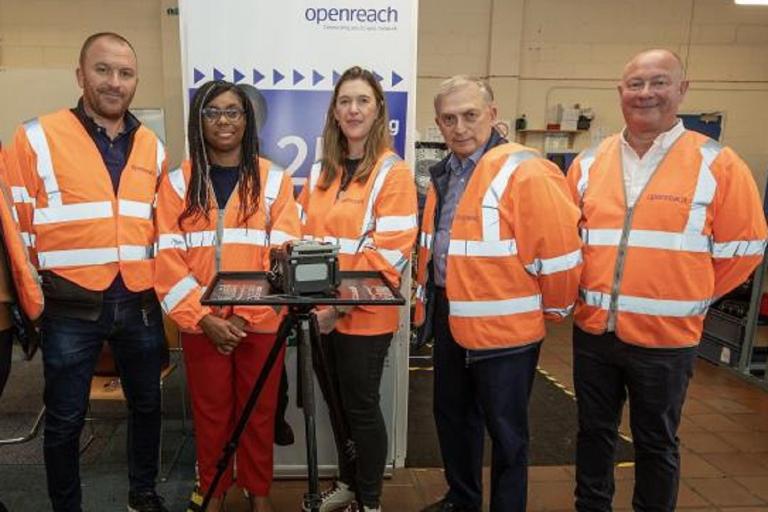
(751, 2)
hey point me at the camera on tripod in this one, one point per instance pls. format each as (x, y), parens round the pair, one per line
(304, 267)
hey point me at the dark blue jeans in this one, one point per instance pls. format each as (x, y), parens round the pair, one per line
(491, 393)
(605, 371)
(70, 348)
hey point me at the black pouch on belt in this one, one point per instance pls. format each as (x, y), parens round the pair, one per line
(70, 300)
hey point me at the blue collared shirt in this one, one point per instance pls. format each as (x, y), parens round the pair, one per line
(460, 171)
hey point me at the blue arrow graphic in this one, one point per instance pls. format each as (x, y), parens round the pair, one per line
(378, 77)
(297, 77)
(237, 75)
(217, 75)
(257, 76)
(198, 75)
(336, 77)
(277, 76)
(316, 77)
(396, 79)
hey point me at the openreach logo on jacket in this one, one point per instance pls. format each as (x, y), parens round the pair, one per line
(353, 18)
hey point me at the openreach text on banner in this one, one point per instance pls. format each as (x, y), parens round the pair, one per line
(323, 14)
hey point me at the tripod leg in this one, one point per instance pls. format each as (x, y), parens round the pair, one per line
(231, 446)
(311, 498)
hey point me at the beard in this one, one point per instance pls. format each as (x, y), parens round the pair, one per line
(107, 103)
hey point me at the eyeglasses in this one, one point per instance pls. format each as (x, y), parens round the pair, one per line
(655, 84)
(213, 114)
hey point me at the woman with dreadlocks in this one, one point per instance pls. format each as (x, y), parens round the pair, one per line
(222, 210)
(363, 197)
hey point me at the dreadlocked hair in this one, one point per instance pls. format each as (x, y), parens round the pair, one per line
(335, 147)
(200, 198)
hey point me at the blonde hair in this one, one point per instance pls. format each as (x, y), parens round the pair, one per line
(335, 148)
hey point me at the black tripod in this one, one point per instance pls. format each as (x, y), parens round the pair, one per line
(310, 354)
(247, 288)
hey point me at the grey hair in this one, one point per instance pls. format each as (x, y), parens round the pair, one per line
(459, 82)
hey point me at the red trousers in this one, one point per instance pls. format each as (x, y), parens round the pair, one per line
(219, 386)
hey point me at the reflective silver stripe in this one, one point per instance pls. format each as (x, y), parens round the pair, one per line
(136, 209)
(561, 312)
(585, 162)
(77, 257)
(425, 240)
(160, 155)
(558, 264)
(395, 258)
(420, 292)
(491, 248)
(29, 239)
(648, 239)
(490, 206)
(477, 308)
(314, 175)
(136, 252)
(177, 293)
(705, 188)
(243, 236)
(176, 177)
(272, 187)
(646, 306)
(171, 241)
(271, 191)
(309, 237)
(73, 212)
(277, 237)
(396, 223)
(369, 223)
(36, 138)
(21, 195)
(739, 248)
(347, 245)
(200, 239)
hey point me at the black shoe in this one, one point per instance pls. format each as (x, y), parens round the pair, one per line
(446, 506)
(283, 434)
(145, 501)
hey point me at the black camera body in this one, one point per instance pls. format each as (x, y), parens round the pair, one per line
(303, 267)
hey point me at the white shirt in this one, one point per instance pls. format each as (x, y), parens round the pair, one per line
(637, 171)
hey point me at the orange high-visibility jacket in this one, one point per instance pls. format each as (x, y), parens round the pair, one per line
(375, 224)
(20, 267)
(514, 256)
(696, 231)
(190, 256)
(71, 219)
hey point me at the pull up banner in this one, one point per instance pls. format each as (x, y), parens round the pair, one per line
(291, 53)
(288, 55)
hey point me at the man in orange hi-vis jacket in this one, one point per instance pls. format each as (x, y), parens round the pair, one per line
(499, 253)
(670, 221)
(84, 182)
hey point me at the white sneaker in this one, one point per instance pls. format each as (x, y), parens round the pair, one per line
(354, 507)
(335, 497)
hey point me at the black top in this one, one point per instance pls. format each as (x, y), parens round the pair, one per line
(114, 153)
(224, 181)
(350, 166)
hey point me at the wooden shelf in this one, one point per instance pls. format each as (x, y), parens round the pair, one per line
(522, 135)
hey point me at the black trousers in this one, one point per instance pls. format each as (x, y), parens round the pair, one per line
(607, 371)
(491, 393)
(355, 364)
(6, 350)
